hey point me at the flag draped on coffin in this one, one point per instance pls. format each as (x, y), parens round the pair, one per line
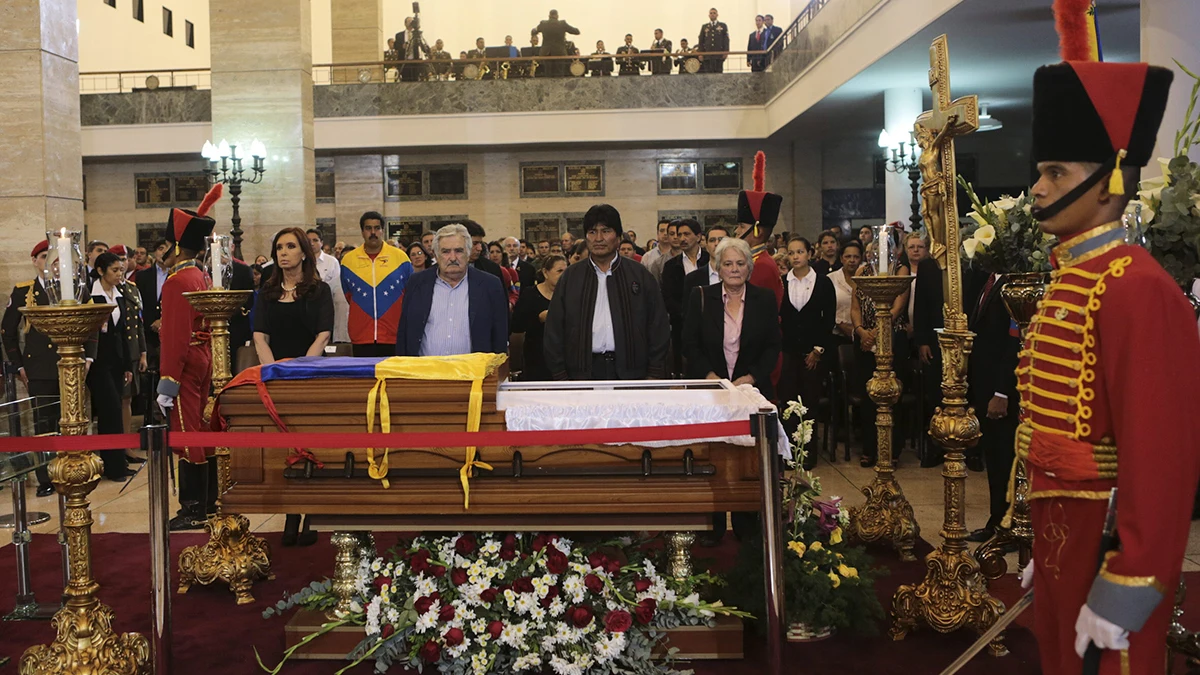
(460, 367)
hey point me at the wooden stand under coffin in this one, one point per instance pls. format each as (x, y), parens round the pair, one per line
(724, 641)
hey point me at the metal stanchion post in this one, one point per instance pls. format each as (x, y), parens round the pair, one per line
(158, 458)
(765, 427)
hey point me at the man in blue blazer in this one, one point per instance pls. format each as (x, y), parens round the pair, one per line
(453, 308)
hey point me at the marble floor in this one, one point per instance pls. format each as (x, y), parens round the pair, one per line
(120, 508)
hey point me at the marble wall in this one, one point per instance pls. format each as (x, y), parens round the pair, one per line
(826, 28)
(146, 107)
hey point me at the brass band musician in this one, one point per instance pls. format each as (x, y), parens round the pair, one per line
(630, 65)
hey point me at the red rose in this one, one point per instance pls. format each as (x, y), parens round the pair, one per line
(617, 621)
(420, 561)
(613, 566)
(495, 628)
(597, 559)
(422, 605)
(556, 561)
(507, 553)
(522, 585)
(438, 571)
(539, 542)
(435, 596)
(458, 576)
(641, 585)
(387, 631)
(580, 617)
(465, 544)
(453, 637)
(430, 652)
(489, 595)
(594, 583)
(645, 610)
(510, 541)
(446, 613)
(380, 582)
(551, 594)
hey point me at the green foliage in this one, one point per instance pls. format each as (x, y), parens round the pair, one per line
(1003, 236)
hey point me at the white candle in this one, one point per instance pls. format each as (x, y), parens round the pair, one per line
(215, 266)
(66, 271)
(883, 245)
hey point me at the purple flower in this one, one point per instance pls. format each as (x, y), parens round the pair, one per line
(828, 511)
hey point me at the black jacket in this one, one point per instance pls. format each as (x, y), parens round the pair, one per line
(640, 327)
(694, 279)
(113, 346)
(927, 306)
(39, 357)
(527, 274)
(240, 331)
(147, 284)
(993, 364)
(554, 36)
(674, 286)
(812, 325)
(485, 264)
(758, 345)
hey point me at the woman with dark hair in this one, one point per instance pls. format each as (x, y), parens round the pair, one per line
(293, 317)
(110, 370)
(577, 253)
(512, 282)
(529, 317)
(260, 261)
(419, 257)
(807, 319)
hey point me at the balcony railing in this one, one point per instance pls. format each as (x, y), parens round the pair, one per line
(125, 81)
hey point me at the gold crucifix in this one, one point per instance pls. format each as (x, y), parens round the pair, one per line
(935, 131)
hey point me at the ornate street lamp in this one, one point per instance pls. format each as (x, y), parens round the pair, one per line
(904, 158)
(225, 166)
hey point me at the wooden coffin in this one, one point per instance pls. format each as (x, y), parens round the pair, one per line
(559, 487)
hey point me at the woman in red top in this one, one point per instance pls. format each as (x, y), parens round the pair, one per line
(512, 283)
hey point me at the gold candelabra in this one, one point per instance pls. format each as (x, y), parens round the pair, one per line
(1021, 294)
(232, 554)
(85, 642)
(887, 515)
(953, 594)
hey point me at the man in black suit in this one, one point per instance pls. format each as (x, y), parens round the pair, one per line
(94, 249)
(993, 391)
(705, 275)
(661, 64)
(926, 319)
(773, 34)
(692, 258)
(149, 284)
(36, 360)
(759, 40)
(239, 324)
(714, 37)
(479, 260)
(526, 274)
(554, 42)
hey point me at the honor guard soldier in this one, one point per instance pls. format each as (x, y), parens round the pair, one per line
(758, 211)
(185, 360)
(661, 63)
(1106, 376)
(714, 37)
(37, 359)
(629, 64)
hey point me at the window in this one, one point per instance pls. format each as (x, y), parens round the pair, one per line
(139, 11)
(189, 33)
(168, 25)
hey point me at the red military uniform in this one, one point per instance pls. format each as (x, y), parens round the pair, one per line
(185, 362)
(1106, 378)
(758, 212)
(766, 273)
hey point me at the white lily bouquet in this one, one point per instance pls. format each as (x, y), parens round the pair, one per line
(1003, 236)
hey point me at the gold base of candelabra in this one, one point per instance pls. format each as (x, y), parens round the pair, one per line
(350, 547)
(679, 554)
(232, 554)
(85, 643)
(887, 515)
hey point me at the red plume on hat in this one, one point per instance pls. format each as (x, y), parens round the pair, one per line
(758, 207)
(188, 229)
(1071, 21)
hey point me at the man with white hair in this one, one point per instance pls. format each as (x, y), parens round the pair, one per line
(453, 308)
(525, 272)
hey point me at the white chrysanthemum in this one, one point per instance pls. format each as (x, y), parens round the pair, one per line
(572, 584)
(527, 661)
(425, 585)
(479, 626)
(377, 565)
(510, 598)
(525, 603)
(557, 607)
(427, 620)
(537, 613)
(563, 544)
(563, 666)
(479, 663)
(459, 649)
(373, 610)
(492, 547)
(579, 568)
(610, 647)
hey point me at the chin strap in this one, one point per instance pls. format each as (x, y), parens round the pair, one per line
(1048, 212)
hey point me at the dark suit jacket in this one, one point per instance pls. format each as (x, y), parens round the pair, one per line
(527, 274)
(695, 279)
(554, 36)
(240, 331)
(812, 326)
(774, 32)
(993, 364)
(112, 348)
(927, 306)
(674, 282)
(758, 345)
(485, 264)
(756, 45)
(487, 312)
(659, 63)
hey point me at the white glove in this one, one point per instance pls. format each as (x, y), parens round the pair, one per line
(1091, 627)
(1027, 576)
(165, 403)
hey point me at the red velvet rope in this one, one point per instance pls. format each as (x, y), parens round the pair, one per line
(238, 439)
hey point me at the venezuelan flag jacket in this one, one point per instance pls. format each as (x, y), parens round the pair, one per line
(375, 288)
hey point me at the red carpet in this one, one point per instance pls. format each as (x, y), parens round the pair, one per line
(213, 635)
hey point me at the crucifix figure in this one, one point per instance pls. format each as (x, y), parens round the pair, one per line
(936, 130)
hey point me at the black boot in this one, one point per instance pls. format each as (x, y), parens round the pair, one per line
(214, 487)
(307, 537)
(193, 488)
(291, 529)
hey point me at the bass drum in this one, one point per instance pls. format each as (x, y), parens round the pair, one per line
(470, 71)
(578, 69)
(692, 65)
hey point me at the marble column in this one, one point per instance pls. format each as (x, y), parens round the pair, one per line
(1168, 34)
(807, 184)
(900, 110)
(358, 181)
(262, 88)
(41, 187)
(357, 37)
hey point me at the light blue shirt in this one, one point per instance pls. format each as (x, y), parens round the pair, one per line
(448, 330)
(602, 324)
(161, 275)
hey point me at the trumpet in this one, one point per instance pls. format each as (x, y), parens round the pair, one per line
(504, 68)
